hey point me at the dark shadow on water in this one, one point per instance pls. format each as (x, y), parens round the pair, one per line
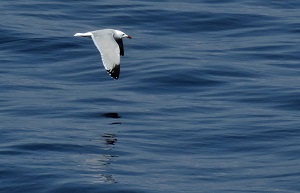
(110, 139)
(111, 115)
(115, 123)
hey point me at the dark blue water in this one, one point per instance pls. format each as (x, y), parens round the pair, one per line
(207, 100)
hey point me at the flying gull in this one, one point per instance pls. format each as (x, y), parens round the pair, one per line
(110, 45)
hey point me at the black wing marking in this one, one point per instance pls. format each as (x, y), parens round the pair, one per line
(115, 72)
(120, 43)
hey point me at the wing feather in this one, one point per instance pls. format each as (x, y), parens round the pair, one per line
(109, 51)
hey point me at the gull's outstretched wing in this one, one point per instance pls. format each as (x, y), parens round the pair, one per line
(109, 51)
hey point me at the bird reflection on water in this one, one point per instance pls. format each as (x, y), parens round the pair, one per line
(110, 139)
(113, 116)
(95, 166)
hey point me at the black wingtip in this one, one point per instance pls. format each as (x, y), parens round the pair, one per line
(115, 72)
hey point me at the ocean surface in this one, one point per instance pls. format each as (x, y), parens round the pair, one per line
(208, 99)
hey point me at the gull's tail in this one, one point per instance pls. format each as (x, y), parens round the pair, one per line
(87, 34)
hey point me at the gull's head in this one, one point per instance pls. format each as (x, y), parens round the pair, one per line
(119, 35)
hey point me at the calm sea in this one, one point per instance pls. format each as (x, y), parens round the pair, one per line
(207, 100)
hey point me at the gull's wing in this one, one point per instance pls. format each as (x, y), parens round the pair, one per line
(109, 51)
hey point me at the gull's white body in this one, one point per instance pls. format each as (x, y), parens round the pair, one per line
(110, 45)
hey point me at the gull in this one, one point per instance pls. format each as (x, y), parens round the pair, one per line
(110, 45)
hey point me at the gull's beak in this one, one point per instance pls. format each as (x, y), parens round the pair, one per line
(129, 37)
